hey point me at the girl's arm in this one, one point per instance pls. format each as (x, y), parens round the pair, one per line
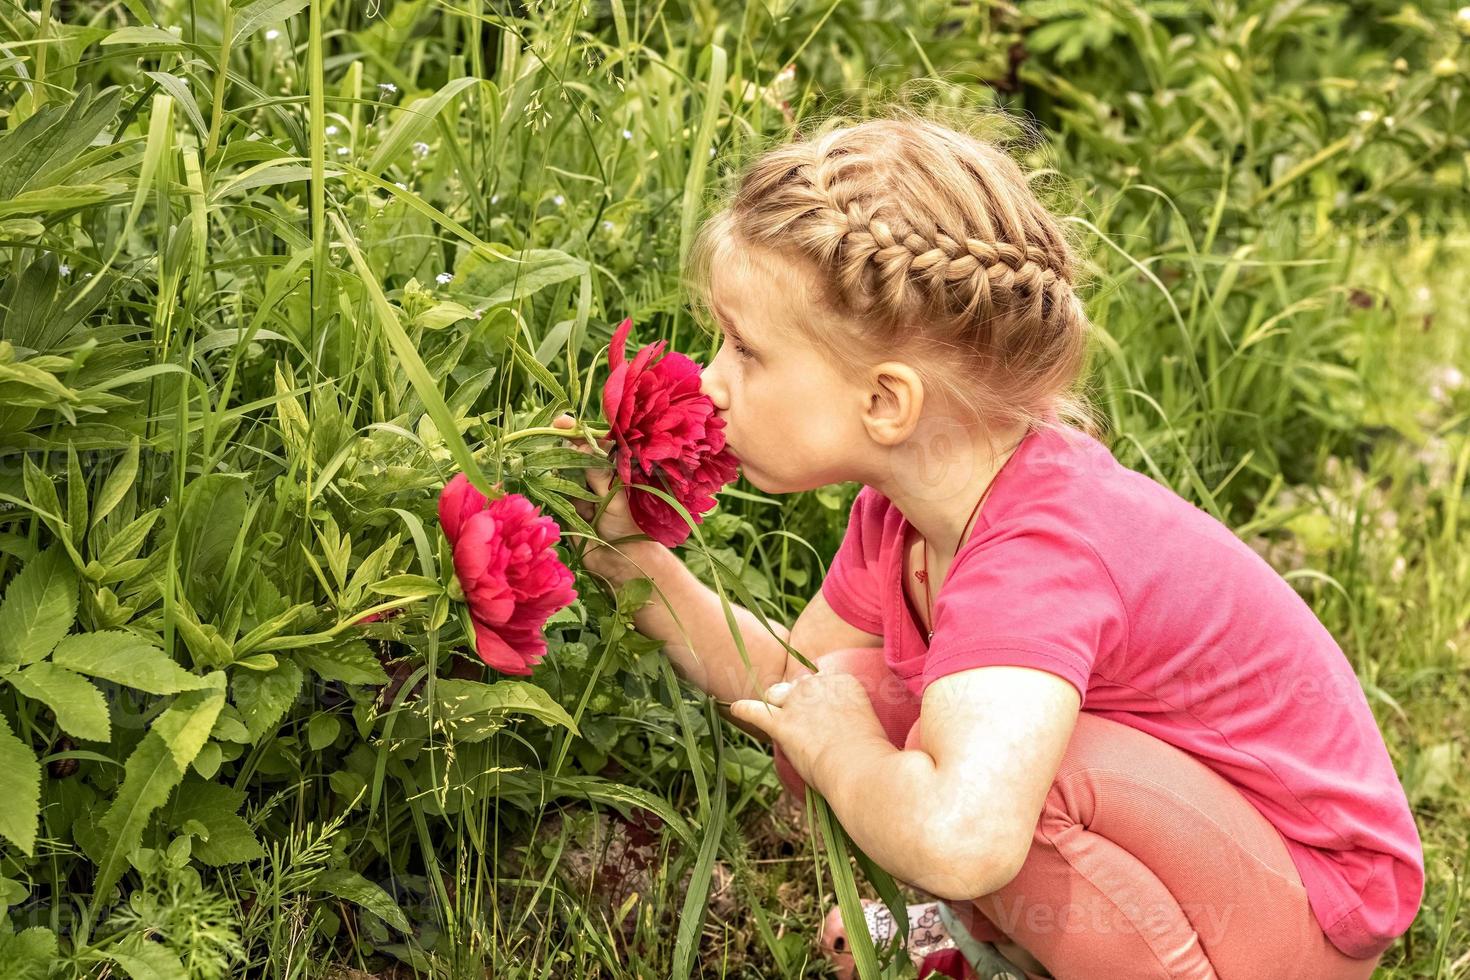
(817, 632)
(957, 817)
(713, 663)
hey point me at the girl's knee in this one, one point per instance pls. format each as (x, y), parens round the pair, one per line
(1101, 743)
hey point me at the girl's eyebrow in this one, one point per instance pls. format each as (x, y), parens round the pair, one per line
(728, 325)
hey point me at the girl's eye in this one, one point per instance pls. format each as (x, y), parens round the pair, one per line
(740, 349)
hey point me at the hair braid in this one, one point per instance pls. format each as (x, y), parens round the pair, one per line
(922, 232)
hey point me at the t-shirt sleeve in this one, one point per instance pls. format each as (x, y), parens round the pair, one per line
(1027, 597)
(851, 587)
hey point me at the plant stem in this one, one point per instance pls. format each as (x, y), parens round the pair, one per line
(577, 432)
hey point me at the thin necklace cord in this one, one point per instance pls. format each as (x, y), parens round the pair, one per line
(923, 576)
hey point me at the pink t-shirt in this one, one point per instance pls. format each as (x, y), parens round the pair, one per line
(1166, 621)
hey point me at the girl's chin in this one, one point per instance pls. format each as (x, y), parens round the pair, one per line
(758, 480)
(752, 476)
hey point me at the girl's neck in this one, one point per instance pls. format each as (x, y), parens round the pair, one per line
(938, 475)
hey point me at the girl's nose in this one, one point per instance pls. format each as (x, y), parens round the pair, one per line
(711, 385)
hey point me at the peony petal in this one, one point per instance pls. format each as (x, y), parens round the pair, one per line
(648, 353)
(615, 352)
(513, 578)
(613, 392)
(497, 653)
(665, 434)
(457, 502)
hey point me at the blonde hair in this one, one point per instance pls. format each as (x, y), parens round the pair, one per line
(928, 240)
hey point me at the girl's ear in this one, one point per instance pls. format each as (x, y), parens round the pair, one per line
(895, 400)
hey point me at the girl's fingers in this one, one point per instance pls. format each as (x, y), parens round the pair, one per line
(598, 481)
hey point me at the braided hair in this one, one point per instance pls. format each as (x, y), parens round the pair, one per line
(921, 239)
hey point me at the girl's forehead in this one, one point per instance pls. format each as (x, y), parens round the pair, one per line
(758, 286)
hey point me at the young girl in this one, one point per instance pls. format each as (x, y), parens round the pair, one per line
(1051, 693)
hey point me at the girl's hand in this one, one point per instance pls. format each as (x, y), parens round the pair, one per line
(616, 520)
(812, 718)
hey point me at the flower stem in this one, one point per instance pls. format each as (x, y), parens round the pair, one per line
(576, 432)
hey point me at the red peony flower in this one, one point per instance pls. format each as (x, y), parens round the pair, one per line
(666, 435)
(512, 577)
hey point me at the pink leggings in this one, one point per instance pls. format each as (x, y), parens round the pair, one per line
(1145, 863)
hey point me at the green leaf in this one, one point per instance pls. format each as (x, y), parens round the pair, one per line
(533, 367)
(80, 709)
(271, 628)
(188, 722)
(144, 959)
(353, 887)
(252, 15)
(143, 35)
(408, 586)
(696, 898)
(500, 280)
(179, 89)
(212, 517)
(125, 659)
(217, 808)
(48, 199)
(28, 954)
(634, 594)
(206, 763)
(20, 790)
(125, 544)
(531, 790)
(12, 893)
(473, 711)
(152, 771)
(76, 496)
(229, 728)
(561, 459)
(322, 731)
(38, 608)
(264, 696)
(50, 140)
(118, 483)
(843, 883)
(350, 662)
(48, 390)
(413, 119)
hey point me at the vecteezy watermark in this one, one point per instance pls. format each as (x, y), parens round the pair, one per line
(1018, 918)
(936, 461)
